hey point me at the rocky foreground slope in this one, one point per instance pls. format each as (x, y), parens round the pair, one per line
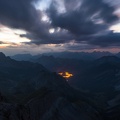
(49, 107)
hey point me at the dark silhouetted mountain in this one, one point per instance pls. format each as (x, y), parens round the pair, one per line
(34, 93)
(48, 106)
(22, 77)
(20, 57)
(118, 54)
(2, 55)
(61, 64)
(80, 55)
(67, 55)
(108, 59)
(100, 74)
(102, 79)
(99, 79)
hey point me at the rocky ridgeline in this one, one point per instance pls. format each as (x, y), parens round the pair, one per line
(48, 107)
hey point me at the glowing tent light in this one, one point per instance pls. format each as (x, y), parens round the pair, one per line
(66, 74)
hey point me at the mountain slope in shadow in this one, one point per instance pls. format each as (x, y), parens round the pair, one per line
(31, 92)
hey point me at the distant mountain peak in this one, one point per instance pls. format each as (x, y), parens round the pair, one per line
(108, 59)
(4, 58)
(2, 55)
(21, 57)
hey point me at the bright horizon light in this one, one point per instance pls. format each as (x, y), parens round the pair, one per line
(115, 28)
(52, 30)
(8, 35)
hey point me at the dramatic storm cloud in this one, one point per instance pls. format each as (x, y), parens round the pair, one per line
(21, 14)
(89, 17)
(18, 14)
(112, 39)
(64, 21)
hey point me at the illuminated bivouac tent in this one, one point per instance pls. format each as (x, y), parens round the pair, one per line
(66, 75)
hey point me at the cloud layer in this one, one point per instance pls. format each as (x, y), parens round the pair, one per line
(90, 17)
(78, 20)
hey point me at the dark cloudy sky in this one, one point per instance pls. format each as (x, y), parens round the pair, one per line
(37, 26)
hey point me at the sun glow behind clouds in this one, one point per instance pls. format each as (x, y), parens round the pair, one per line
(115, 28)
(52, 30)
(11, 36)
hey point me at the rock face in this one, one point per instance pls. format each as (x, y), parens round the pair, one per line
(48, 107)
(13, 112)
(64, 110)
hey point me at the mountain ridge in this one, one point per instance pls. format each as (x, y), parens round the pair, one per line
(22, 78)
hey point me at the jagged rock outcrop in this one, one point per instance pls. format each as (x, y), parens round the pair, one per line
(14, 112)
(62, 109)
(48, 106)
